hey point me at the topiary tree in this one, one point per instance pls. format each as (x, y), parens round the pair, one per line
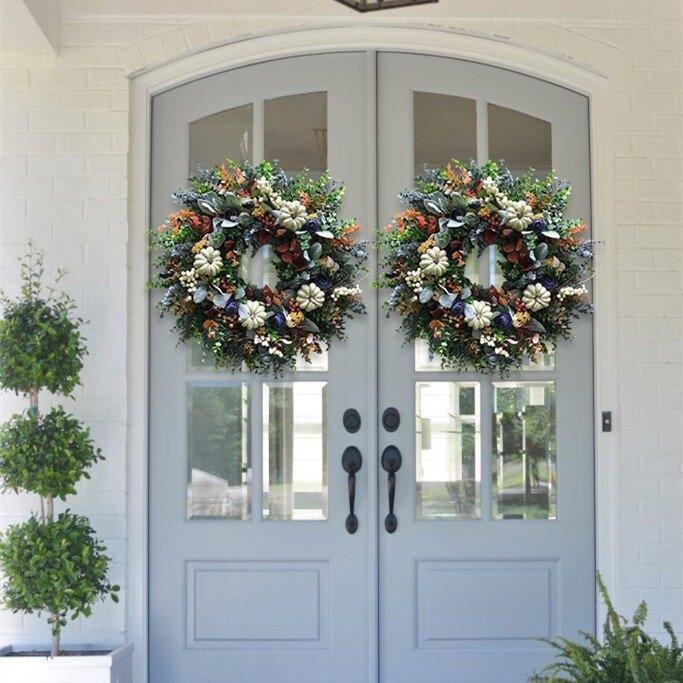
(52, 564)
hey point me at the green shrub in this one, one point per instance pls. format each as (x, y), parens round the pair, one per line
(40, 342)
(626, 654)
(58, 567)
(45, 454)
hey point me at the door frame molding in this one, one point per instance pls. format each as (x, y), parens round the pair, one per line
(428, 40)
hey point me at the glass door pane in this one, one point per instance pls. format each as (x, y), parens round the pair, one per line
(295, 451)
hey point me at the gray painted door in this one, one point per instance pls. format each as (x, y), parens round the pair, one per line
(252, 583)
(253, 576)
(494, 500)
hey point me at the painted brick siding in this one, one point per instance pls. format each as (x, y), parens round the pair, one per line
(64, 173)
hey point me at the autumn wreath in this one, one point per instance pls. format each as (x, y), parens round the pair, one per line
(228, 214)
(460, 209)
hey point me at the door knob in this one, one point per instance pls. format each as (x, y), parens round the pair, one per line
(391, 463)
(352, 461)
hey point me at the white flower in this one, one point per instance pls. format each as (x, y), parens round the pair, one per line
(188, 279)
(478, 315)
(536, 297)
(265, 188)
(310, 297)
(253, 315)
(339, 292)
(413, 279)
(520, 214)
(565, 292)
(434, 261)
(491, 190)
(208, 261)
(293, 214)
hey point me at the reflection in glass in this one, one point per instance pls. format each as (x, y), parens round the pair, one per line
(296, 132)
(445, 128)
(524, 451)
(318, 363)
(545, 362)
(295, 451)
(523, 141)
(196, 359)
(221, 136)
(447, 450)
(218, 451)
(422, 359)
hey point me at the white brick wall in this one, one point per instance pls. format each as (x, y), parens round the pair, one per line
(64, 154)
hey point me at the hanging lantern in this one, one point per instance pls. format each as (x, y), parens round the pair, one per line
(369, 5)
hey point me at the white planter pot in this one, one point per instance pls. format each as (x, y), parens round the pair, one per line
(115, 667)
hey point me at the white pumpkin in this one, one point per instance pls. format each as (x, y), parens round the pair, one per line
(310, 297)
(536, 297)
(478, 315)
(294, 215)
(208, 262)
(520, 214)
(253, 315)
(434, 262)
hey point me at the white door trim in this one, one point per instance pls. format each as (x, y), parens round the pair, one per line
(424, 40)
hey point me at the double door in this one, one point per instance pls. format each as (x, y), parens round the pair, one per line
(253, 573)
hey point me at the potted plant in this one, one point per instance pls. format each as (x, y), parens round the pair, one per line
(52, 563)
(625, 654)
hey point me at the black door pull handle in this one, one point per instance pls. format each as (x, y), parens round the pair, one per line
(352, 461)
(391, 463)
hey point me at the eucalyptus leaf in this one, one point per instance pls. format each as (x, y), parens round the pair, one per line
(433, 207)
(446, 300)
(309, 325)
(232, 201)
(535, 325)
(458, 200)
(199, 294)
(552, 234)
(315, 250)
(208, 204)
(425, 294)
(221, 300)
(326, 234)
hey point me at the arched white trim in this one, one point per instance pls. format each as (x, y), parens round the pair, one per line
(423, 40)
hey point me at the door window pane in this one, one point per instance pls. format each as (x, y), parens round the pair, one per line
(296, 132)
(523, 141)
(545, 362)
(296, 135)
(221, 136)
(423, 361)
(295, 451)
(218, 451)
(445, 128)
(524, 465)
(447, 448)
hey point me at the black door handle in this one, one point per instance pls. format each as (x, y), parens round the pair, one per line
(391, 463)
(352, 461)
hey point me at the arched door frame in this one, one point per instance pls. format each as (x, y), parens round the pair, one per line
(368, 38)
